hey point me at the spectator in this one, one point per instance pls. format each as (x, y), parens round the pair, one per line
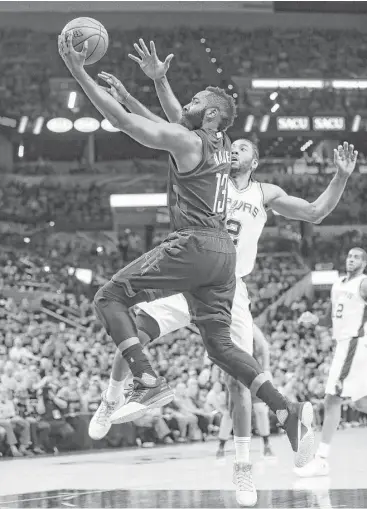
(20, 427)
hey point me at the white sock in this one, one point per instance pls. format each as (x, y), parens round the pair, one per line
(242, 448)
(323, 450)
(114, 390)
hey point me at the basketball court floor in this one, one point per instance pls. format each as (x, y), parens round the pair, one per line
(187, 476)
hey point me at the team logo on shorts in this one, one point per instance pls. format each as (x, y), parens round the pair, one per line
(152, 260)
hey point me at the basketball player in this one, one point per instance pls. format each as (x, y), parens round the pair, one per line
(198, 259)
(347, 314)
(261, 411)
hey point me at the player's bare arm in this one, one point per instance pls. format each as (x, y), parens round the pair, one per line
(119, 92)
(363, 289)
(184, 145)
(156, 70)
(277, 199)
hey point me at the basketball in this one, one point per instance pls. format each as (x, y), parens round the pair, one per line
(91, 30)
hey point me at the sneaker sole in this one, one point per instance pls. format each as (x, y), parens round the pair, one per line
(98, 437)
(138, 410)
(305, 451)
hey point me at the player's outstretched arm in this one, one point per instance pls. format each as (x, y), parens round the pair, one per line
(174, 138)
(119, 92)
(156, 70)
(277, 199)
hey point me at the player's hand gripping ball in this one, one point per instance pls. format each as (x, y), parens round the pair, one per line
(88, 30)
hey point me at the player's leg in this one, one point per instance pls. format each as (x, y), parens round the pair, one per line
(212, 313)
(163, 271)
(261, 412)
(153, 320)
(241, 401)
(339, 370)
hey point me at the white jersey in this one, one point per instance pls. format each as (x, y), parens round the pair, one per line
(246, 218)
(349, 310)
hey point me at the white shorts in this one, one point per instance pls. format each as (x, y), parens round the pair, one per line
(350, 357)
(172, 313)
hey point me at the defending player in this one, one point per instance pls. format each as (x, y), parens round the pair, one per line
(347, 314)
(198, 258)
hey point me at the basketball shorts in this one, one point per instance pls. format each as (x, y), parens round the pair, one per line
(197, 262)
(172, 313)
(348, 370)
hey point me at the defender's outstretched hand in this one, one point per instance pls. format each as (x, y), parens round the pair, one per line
(149, 62)
(74, 60)
(117, 89)
(345, 158)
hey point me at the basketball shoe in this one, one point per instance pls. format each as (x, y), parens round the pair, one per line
(296, 420)
(145, 393)
(317, 467)
(246, 495)
(101, 423)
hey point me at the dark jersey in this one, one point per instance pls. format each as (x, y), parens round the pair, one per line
(199, 197)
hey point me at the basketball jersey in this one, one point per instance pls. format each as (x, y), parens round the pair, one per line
(198, 198)
(349, 310)
(246, 218)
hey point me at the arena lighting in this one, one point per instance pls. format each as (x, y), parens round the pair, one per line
(265, 83)
(46, 268)
(219, 70)
(235, 95)
(213, 60)
(26, 240)
(21, 151)
(72, 100)
(59, 125)
(38, 125)
(51, 223)
(208, 50)
(249, 123)
(306, 145)
(230, 87)
(86, 125)
(99, 249)
(356, 123)
(202, 40)
(138, 200)
(22, 125)
(275, 108)
(264, 123)
(107, 126)
(273, 96)
(349, 84)
(71, 271)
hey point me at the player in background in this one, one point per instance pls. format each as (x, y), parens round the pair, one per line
(347, 314)
(199, 258)
(261, 411)
(246, 219)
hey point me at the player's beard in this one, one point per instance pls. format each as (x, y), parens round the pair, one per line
(240, 169)
(192, 120)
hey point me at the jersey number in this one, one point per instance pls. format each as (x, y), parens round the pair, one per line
(220, 200)
(234, 229)
(339, 311)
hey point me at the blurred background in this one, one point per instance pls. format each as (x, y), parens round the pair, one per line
(67, 218)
